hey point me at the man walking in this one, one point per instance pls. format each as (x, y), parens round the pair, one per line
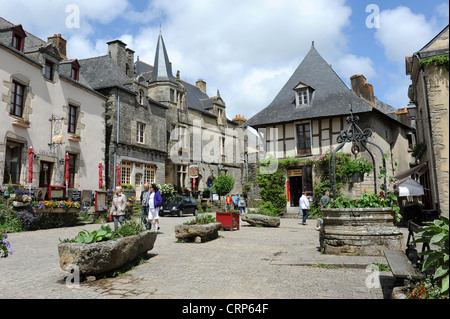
(324, 202)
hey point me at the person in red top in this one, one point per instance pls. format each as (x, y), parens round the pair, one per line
(229, 201)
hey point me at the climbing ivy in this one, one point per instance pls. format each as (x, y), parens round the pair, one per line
(440, 61)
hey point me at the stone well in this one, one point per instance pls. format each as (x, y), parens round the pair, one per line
(359, 231)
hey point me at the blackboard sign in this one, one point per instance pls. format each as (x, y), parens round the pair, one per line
(76, 196)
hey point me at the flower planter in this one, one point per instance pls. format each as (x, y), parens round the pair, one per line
(198, 233)
(21, 124)
(100, 257)
(229, 220)
(20, 204)
(57, 210)
(359, 231)
(74, 138)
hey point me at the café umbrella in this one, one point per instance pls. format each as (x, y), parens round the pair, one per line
(67, 175)
(30, 168)
(30, 165)
(100, 174)
(117, 175)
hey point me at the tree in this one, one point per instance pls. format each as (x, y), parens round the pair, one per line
(223, 184)
(272, 191)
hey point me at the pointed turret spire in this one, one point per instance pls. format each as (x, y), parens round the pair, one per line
(162, 69)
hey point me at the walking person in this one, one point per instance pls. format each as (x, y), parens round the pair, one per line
(154, 204)
(324, 202)
(304, 206)
(119, 204)
(145, 196)
(241, 205)
(229, 202)
(235, 201)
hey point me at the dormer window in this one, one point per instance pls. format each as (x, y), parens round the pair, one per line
(49, 70)
(18, 38)
(75, 70)
(303, 94)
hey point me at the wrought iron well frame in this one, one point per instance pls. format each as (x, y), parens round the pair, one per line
(354, 134)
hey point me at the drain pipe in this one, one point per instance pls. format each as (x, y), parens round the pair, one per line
(117, 137)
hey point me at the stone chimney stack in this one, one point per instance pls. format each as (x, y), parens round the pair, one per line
(124, 57)
(59, 42)
(362, 88)
(201, 85)
(357, 80)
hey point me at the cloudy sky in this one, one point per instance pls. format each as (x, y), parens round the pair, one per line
(247, 48)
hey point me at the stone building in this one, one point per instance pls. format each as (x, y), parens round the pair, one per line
(38, 84)
(429, 91)
(308, 114)
(199, 134)
(135, 138)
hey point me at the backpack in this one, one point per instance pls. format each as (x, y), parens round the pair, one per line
(241, 202)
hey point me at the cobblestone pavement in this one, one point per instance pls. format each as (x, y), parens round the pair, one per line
(254, 262)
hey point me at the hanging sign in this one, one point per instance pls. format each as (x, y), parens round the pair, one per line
(193, 171)
(57, 131)
(295, 172)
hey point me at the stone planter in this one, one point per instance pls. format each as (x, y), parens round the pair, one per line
(20, 204)
(198, 233)
(359, 231)
(57, 210)
(261, 220)
(100, 257)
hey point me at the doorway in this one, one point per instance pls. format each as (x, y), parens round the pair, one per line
(45, 174)
(138, 185)
(295, 189)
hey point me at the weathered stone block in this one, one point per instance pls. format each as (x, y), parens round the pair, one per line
(262, 220)
(192, 232)
(97, 258)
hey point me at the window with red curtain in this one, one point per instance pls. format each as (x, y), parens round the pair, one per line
(17, 99)
(72, 122)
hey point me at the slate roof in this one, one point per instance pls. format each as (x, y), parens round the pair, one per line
(162, 69)
(103, 72)
(331, 96)
(195, 98)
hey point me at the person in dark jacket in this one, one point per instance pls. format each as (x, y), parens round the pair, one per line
(154, 204)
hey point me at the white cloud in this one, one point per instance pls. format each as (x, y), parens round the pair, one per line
(350, 64)
(403, 32)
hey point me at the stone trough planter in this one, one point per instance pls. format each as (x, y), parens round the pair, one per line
(359, 231)
(261, 220)
(198, 233)
(100, 257)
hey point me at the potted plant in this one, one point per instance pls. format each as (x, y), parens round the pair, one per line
(229, 219)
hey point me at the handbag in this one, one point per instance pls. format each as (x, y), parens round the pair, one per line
(110, 218)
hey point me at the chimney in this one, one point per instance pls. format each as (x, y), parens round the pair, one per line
(130, 62)
(59, 42)
(362, 88)
(357, 80)
(201, 85)
(117, 51)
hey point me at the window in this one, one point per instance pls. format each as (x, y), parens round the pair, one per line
(141, 97)
(17, 99)
(48, 70)
(172, 95)
(72, 123)
(125, 172)
(13, 162)
(149, 174)
(303, 139)
(140, 129)
(75, 70)
(18, 38)
(303, 94)
(72, 160)
(181, 175)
